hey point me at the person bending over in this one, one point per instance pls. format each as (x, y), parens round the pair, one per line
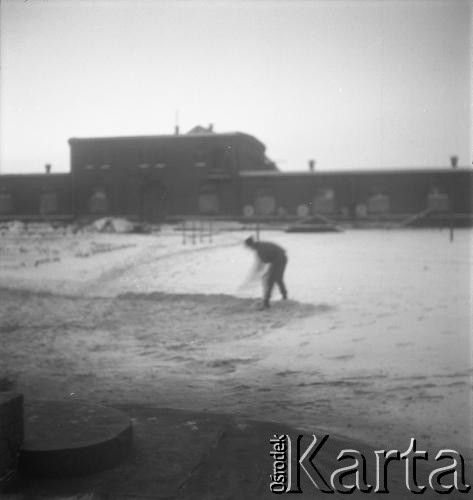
(275, 257)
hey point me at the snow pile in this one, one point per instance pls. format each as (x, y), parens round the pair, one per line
(15, 227)
(117, 225)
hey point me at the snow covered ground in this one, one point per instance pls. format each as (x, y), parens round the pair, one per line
(374, 343)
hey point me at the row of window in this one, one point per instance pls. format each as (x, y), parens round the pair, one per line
(265, 204)
(47, 203)
(107, 166)
(145, 166)
(98, 202)
(325, 203)
(218, 158)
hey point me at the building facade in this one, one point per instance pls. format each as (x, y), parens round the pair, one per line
(359, 195)
(36, 197)
(155, 178)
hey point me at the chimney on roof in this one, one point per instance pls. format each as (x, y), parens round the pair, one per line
(211, 127)
(312, 165)
(176, 130)
(47, 168)
(454, 161)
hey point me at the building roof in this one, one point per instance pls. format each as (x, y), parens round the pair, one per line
(189, 136)
(309, 173)
(42, 175)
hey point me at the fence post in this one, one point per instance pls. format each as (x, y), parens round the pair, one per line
(450, 202)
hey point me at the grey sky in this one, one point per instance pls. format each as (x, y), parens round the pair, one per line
(353, 84)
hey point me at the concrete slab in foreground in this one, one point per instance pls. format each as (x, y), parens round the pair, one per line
(185, 455)
(71, 438)
(168, 448)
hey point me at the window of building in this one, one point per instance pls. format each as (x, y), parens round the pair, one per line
(159, 157)
(438, 200)
(361, 210)
(6, 202)
(248, 210)
(90, 157)
(106, 159)
(48, 203)
(302, 210)
(98, 201)
(200, 156)
(144, 157)
(97, 157)
(209, 200)
(152, 156)
(324, 201)
(209, 203)
(379, 204)
(265, 202)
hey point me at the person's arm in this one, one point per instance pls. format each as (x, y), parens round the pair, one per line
(254, 274)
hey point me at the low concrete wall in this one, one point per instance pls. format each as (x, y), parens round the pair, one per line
(11, 435)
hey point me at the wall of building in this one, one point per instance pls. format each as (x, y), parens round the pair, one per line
(359, 194)
(154, 177)
(37, 195)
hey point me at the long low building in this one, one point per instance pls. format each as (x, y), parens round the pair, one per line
(360, 194)
(154, 178)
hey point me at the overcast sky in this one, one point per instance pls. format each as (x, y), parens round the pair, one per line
(352, 84)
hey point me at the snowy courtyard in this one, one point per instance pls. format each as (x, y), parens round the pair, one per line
(374, 342)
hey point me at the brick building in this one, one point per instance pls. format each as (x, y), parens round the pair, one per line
(360, 195)
(154, 178)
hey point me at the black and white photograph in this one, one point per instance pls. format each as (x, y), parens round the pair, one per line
(236, 249)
